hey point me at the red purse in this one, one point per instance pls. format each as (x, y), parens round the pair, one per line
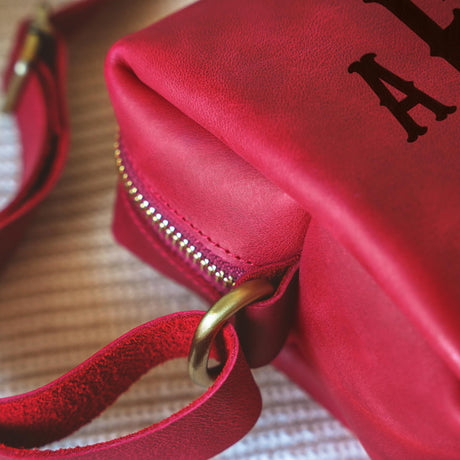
(299, 159)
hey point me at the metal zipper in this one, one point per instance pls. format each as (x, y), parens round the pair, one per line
(165, 229)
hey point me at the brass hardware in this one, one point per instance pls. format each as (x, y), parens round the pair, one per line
(212, 322)
(38, 27)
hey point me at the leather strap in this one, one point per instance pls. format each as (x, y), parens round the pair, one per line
(215, 421)
(42, 117)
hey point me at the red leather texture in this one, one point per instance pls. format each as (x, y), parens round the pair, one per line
(213, 422)
(245, 118)
(262, 326)
(59, 408)
(203, 167)
(357, 352)
(292, 89)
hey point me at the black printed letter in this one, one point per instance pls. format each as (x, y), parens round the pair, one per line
(444, 43)
(375, 75)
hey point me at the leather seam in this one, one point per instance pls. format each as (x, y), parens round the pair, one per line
(184, 219)
(200, 232)
(163, 251)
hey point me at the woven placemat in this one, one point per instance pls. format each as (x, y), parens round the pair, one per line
(70, 290)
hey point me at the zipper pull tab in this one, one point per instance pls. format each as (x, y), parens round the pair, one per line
(38, 27)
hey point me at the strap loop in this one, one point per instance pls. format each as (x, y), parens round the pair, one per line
(212, 322)
(195, 432)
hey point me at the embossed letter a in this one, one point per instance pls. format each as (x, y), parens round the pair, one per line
(375, 75)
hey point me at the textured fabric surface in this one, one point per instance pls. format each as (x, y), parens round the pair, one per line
(70, 289)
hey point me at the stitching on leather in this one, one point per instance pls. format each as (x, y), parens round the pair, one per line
(163, 252)
(186, 221)
(208, 238)
(183, 218)
(227, 251)
(200, 232)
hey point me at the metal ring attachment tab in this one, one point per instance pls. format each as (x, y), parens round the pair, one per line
(213, 321)
(30, 51)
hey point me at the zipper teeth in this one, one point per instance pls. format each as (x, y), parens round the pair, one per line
(163, 227)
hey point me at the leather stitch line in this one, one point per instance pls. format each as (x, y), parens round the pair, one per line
(141, 227)
(185, 220)
(197, 230)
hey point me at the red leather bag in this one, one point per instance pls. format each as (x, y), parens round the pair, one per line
(309, 143)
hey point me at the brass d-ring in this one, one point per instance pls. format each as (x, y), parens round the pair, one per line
(212, 322)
